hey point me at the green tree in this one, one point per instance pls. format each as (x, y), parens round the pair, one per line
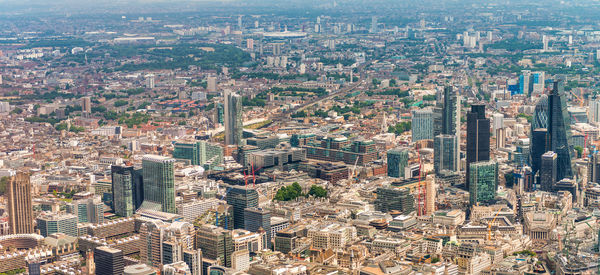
(3, 183)
(61, 126)
(120, 103)
(317, 191)
(579, 150)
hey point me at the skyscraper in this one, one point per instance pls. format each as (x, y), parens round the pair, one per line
(241, 197)
(478, 137)
(444, 153)
(548, 171)
(451, 118)
(233, 118)
(159, 183)
(484, 181)
(108, 260)
(540, 114)
(19, 204)
(86, 104)
(422, 124)
(594, 168)
(127, 189)
(594, 111)
(397, 159)
(373, 24)
(559, 132)
(451, 112)
(539, 145)
(255, 218)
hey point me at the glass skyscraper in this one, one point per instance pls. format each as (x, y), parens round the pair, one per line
(127, 189)
(444, 153)
(397, 159)
(559, 132)
(422, 124)
(484, 181)
(159, 183)
(478, 137)
(233, 118)
(548, 171)
(241, 197)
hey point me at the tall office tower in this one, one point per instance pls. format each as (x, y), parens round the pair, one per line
(451, 118)
(540, 114)
(193, 259)
(150, 81)
(444, 153)
(159, 183)
(127, 189)
(88, 210)
(50, 223)
(199, 153)
(451, 112)
(544, 43)
(422, 124)
(86, 104)
(397, 160)
(559, 132)
(211, 84)
(250, 44)
(539, 145)
(108, 260)
(524, 84)
(594, 168)
(437, 120)
(374, 24)
(389, 199)
(430, 195)
(594, 111)
(240, 26)
(501, 138)
(497, 122)
(537, 82)
(216, 243)
(484, 181)
(478, 137)
(19, 204)
(255, 218)
(548, 171)
(241, 197)
(233, 118)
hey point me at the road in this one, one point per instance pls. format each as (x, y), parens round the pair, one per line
(344, 91)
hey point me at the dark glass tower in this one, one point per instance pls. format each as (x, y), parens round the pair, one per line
(108, 260)
(478, 137)
(450, 112)
(559, 133)
(548, 171)
(240, 198)
(539, 146)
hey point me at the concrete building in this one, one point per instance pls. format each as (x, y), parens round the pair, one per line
(19, 204)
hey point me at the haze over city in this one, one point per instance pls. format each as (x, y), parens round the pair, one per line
(299, 137)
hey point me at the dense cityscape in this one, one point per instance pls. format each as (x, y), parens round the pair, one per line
(300, 137)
